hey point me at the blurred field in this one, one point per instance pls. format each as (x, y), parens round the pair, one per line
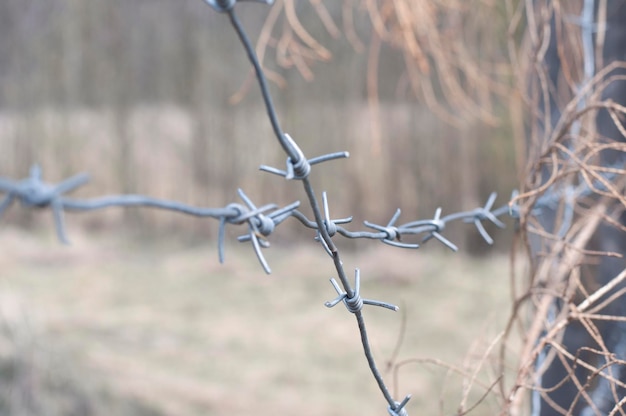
(118, 326)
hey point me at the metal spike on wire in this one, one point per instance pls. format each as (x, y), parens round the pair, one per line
(355, 303)
(482, 214)
(33, 192)
(439, 225)
(393, 235)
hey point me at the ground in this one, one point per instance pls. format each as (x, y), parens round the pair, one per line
(153, 328)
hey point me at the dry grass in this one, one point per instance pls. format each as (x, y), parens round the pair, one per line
(167, 326)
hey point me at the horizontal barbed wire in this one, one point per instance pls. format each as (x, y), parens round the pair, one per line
(33, 192)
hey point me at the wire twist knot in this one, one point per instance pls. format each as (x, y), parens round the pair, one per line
(240, 210)
(265, 225)
(438, 225)
(298, 169)
(484, 213)
(401, 412)
(331, 227)
(355, 303)
(33, 192)
(400, 407)
(298, 166)
(392, 232)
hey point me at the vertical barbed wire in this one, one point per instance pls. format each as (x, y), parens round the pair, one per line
(299, 168)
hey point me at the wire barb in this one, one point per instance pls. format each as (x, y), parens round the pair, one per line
(438, 226)
(399, 409)
(300, 168)
(484, 213)
(33, 192)
(329, 224)
(393, 234)
(355, 303)
(260, 225)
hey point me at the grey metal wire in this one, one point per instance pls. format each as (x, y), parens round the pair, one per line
(33, 192)
(262, 221)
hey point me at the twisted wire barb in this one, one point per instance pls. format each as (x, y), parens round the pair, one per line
(32, 192)
(355, 303)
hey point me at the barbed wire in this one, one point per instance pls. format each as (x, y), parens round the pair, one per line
(576, 181)
(299, 168)
(34, 193)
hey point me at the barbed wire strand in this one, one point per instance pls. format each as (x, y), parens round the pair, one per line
(301, 169)
(33, 192)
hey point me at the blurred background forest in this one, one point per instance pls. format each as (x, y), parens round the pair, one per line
(141, 95)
